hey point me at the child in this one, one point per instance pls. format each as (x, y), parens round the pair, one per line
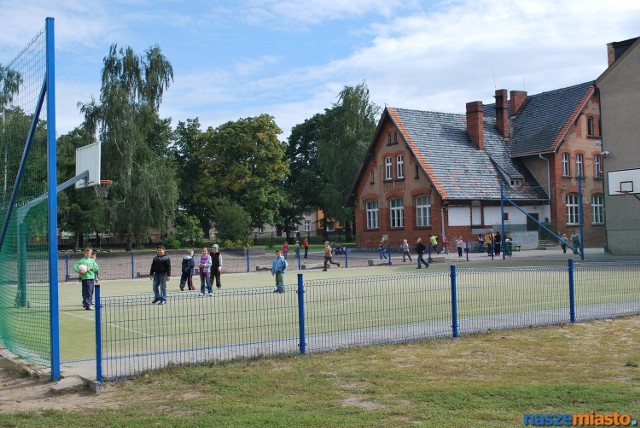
(216, 266)
(204, 266)
(278, 269)
(328, 254)
(459, 245)
(187, 271)
(404, 247)
(88, 278)
(160, 273)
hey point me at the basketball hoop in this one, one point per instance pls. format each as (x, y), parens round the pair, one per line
(102, 189)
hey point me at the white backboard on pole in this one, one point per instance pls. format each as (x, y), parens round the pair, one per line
(88, 159)
(623, 182)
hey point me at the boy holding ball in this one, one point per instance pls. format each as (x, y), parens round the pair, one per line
(87, 267)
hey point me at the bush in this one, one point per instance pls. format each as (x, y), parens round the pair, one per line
(172, 242)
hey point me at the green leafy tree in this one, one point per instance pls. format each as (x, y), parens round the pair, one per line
(346, 133)
(135, 141)
(302, 185)
(232, 221)
(187, 228)
(244, 162)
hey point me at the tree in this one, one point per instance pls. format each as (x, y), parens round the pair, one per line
(345, 136)
(10, 81)
(232, 222)
(135, 141)
(188, 228)
(243, 161)
(301, 187)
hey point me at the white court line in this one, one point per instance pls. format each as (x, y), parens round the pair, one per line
(117, 326)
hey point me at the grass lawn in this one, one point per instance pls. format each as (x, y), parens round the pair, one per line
(484, 380)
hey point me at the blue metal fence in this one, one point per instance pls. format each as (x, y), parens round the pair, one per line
(323, 315)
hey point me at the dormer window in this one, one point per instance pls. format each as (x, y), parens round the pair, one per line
(516, 182)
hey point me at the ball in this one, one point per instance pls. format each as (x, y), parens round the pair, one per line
(82, 269)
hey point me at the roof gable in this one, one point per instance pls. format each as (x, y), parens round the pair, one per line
(541, 124)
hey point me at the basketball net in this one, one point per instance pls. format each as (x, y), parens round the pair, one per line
(102, 189)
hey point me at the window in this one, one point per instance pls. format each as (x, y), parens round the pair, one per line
(261, 230)
(423, 211)
(579, 163)
(331, 226)
(297, 228)
(417, 172)
(389, 139)
(307, 225)
(387, 168)
(597, 209)
(395, 138)
(400, 166)
(597, 166)
(572, 208)
(590, 130)
(397, 213)
(372, 178)
(565, 165)
(371, 208)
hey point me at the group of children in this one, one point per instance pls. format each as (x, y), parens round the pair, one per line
(209, 268)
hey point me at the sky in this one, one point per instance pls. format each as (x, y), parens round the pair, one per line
(290, 59)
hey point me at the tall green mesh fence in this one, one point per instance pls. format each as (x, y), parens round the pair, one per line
(24, 269)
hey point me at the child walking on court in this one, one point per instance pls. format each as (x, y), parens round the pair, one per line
(160, 273)
(278, 269)
(187, 271)
(87, 276)
(328, 254)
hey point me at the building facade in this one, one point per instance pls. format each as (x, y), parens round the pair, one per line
(429, 173)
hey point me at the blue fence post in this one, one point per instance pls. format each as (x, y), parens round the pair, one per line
(66, 267)
(429, 259)
(389, 254)
(572, 293)
(248, 261)
(466, 249)
(346, 257)
(98, 335)
(303, 339)
(133, 266)
(298, 257)
(454, 303)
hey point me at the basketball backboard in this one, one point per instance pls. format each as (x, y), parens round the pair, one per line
(88, 159)
(624, 182)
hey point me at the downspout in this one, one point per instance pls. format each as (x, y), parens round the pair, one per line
(442, 221)
(548, 176)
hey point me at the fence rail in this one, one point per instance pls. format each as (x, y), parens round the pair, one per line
(329, 314)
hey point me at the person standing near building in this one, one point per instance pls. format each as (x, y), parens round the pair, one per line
(575, 240)
(382, 249)
(216, 266)
(406, 252)
(278, 268)
(563, 243)
(204, 267)
(160, 273)
(328, 256)
(420, 249)
(305, 245)
(459, 245)
(497, 243)
(297, 250)
(87, 275)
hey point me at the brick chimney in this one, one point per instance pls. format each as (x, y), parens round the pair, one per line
(518, 98)
(475, 119)
(502, 112)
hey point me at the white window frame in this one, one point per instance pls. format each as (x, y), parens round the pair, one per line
(307, 225)
(423, 211)
(373, 212)
(597, 166)
(400, 166)
(597, 209)
(572, 208)
(396, 213)
(579, 165)
(566, 170)
(388, 168)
